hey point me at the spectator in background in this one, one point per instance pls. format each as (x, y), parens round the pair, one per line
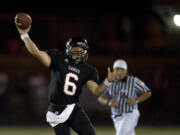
(18, 96)
(15, 47)
(117, 36)
(38, 91)
(160, 86)
(3, 91)
(156, 39)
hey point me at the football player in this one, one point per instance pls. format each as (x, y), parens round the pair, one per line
(69, 73)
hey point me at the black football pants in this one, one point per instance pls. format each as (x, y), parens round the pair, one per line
(78, 121)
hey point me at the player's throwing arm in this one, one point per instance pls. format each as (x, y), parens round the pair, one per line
(23, 23)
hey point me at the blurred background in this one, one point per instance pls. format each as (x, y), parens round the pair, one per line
(145, 34)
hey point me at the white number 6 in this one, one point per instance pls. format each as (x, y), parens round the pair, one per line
(69, 84)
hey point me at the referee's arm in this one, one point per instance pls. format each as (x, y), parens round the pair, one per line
(144, 96)
(106, 101)
(143, 90)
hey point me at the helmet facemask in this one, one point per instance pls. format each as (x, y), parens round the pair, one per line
(81, 56)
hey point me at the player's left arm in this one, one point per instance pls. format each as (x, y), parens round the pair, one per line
(95, 88)
(99, 89)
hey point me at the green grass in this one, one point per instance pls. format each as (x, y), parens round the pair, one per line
(100, 130)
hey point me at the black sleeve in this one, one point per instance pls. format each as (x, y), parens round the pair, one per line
(56, 58)
(94, 76)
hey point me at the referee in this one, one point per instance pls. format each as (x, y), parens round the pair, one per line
(123, 97)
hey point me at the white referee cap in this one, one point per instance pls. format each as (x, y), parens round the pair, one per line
(120, 63)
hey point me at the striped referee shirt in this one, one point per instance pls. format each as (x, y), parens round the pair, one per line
(129, 87)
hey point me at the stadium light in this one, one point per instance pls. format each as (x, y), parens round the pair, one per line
(176, 20)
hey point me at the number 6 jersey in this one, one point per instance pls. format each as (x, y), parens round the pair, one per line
(67, 78)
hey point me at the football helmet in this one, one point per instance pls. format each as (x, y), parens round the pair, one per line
(77, 42)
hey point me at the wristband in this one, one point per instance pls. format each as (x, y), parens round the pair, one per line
(23, 36)
(106, 82)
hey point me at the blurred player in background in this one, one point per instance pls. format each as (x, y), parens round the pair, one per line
(123, 96)
(69, 73)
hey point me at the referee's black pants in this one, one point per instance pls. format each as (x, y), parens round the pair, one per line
(78, 121)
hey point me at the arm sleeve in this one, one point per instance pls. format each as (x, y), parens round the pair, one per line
(55, 58)
(94, 76)
(141, 86)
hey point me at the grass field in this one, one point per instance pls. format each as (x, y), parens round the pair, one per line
(100, 130)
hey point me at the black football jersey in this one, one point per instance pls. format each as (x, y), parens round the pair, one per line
(67, 78)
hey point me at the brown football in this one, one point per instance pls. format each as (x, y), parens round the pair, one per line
(23, 20)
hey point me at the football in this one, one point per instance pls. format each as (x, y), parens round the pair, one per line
(23, 20)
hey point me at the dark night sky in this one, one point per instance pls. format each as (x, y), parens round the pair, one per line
(80, 7)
